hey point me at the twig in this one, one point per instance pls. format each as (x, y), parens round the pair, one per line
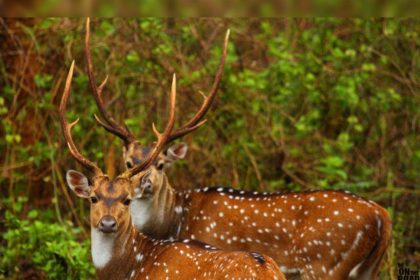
(298, 180)
(255, 166)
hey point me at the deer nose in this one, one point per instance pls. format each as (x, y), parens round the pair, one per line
(108, 224)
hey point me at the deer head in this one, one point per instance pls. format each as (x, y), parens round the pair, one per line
(152, 181)
(109, 200)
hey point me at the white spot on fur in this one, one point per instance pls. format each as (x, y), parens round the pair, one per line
(178, 209)
(285, 269)
(139, 257)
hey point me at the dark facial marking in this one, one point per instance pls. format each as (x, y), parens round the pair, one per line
(135, 160)
(144, 153)
(108, 200)
(111, 188)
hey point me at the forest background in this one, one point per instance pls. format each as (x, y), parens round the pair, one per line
(304, 104)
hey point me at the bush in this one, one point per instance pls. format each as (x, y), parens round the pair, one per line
(37, 247)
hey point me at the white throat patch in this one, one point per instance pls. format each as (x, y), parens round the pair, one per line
(140, 210)
(102, 248)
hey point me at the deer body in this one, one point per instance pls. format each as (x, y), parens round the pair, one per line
(319, 234)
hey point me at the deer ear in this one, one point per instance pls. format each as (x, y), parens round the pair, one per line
(146, 178)
(145, 183)
(175, 152)
(78, 183)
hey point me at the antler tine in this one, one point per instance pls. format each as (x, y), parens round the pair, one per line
(195, 122)
(110, 124)
(162, 138)
(67, 128)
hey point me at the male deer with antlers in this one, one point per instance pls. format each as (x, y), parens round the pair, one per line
(319, 234)
(120, 251)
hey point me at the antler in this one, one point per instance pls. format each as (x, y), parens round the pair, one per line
(162, 138)
(67, 128)
(195, 122)
(110, 124)
(123, 132)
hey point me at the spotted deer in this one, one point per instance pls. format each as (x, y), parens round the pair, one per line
(120, 251)
(317, 234)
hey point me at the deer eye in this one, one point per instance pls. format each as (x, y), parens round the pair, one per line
(127, 201)
(129, 164)
(93, 199)
(160, 165)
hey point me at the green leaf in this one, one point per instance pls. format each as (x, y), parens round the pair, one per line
(333, 161)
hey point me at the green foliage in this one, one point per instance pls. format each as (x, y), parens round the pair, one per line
(33, 243)
(330, 86)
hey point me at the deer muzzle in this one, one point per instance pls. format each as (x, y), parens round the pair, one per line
(108, 224)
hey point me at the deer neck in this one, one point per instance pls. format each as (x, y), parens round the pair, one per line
(155, 217)
(118, 257)
(106, 247)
